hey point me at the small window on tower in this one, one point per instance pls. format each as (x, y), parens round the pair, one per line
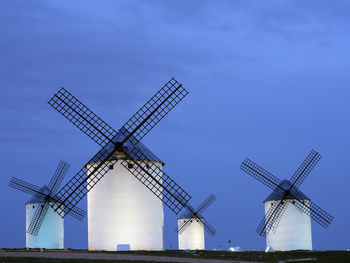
(130, 166)
(111, 166)
(33, 206)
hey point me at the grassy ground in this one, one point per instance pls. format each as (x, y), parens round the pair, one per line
(258, 256)
(54, 260)
(320, 256)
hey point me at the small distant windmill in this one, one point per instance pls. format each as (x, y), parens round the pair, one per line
(191, 225)
(122, 152)
(44, 227)
(287, 224)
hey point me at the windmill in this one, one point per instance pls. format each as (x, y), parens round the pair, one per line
(287, 223)
(191, 225)
(122, 149)
(44, 226)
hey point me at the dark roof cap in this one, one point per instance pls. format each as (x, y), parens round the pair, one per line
(39, 199)
(278, 193)
(128, 147)
(188, 213)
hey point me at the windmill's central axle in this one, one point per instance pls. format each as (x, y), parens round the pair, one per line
(119, 146)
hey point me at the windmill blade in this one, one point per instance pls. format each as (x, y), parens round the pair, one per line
(77, 187)
(305, 168)
(82, 117)
(75, 212)
(183, 226)
(156, 180)
(38, 219)
(272, 218)
(208, 227)
(153, 111)
(58, 176)
(315, 212)
(135, 128)
(279, 216)
(26, 187)
(206, 203)
(260, 174)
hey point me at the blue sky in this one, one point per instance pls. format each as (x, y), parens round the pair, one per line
(268, 80)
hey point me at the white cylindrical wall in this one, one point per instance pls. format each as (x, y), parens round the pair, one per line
(192, 238)
(293, 231)
(122, 211)
(51, 233)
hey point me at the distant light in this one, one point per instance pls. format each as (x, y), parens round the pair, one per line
(234, 249)
(269, 249)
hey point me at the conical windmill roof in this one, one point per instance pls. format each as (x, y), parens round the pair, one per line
(39, 199)
(128, 147)
(189, 214)
(278, 193)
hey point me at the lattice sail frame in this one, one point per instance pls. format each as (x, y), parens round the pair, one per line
(26, 187)
(305, 168)
(157, 181)
(48, 195)
(132, 132)
(196, 214)
(38, 218)
(274, 214)
(260, 174)
(272, 218)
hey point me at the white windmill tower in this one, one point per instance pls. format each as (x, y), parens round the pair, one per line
(44, 227)
(292, 231)
(191, 225)
(193, 237)
(122, 213)
(51, 234)
(287, 224)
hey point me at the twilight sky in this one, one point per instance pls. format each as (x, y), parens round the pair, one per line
(268, 80)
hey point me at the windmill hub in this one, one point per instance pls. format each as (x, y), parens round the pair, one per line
(119, 146)
(287, 194)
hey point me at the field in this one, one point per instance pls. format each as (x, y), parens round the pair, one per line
(70, 256)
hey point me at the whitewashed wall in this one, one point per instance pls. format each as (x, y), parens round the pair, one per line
(293, 231)
(193, 236)
(121, 210)
(51, 233)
